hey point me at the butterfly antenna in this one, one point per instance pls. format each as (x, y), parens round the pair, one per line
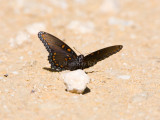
(76, 50)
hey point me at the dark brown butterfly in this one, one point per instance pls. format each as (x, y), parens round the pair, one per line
(62, 57)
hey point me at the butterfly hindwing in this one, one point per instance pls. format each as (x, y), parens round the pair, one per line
(99, 55)
(59, 52)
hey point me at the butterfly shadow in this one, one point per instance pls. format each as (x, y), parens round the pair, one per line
(87, 90)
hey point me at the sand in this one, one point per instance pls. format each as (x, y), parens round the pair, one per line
(125, 86)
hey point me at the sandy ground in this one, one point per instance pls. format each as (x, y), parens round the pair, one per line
(125, 86)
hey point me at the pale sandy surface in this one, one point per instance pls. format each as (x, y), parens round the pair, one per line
(125, 86)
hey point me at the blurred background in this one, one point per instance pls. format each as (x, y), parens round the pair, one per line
(102, 19)
(127, 84)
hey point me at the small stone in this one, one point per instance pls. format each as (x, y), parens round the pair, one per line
(125, 64)
(21, 57)
(33, 91)
(15, 72)
(76, 81)
(6, 75)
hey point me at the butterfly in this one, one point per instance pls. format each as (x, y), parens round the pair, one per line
(62, 57)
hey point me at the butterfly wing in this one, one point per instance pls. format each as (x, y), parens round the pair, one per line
(99, 55)
(59, 52)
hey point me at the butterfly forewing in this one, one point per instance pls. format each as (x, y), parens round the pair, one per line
(59, 52)
(99, 55)
(62, 57)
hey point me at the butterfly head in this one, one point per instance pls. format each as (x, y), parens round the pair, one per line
(80, 58)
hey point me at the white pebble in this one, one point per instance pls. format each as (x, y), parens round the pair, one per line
(125, 64)
(76, 81)
(15, 72)
(125, 77)
(21, 57)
